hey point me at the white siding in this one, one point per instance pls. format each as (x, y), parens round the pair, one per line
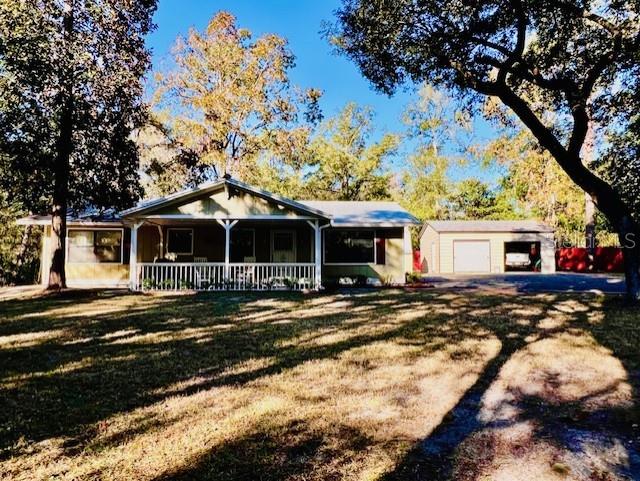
(429, 250)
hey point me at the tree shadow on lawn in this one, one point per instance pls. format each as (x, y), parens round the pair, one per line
(290, 452)
(141, 350)
(135, 353)
(464, 445)
(102, 364)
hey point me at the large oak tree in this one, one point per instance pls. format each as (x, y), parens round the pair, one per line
(558, 65)
(70, 95)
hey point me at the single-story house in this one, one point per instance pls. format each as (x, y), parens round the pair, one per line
(452, 247)
(226, 234)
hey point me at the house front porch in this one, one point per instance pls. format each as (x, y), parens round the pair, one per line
(225, 254)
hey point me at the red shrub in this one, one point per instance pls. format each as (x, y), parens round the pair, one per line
(576, 259)
(608, 259)
(417, 262)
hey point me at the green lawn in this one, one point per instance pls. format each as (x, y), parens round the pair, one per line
(375, 385)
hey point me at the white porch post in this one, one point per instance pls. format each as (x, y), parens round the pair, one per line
(161, 234)
(227, 249)
(317, 230)
(227, 225)
(408, 250)
(133, 257)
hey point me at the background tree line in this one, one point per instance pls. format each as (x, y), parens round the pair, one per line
(274, 135)
(75, 130)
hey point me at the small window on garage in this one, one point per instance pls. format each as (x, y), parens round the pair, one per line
(180, 241)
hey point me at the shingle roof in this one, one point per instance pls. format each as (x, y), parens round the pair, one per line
(489, 226)
(340, 213)
(87, 217)
(366, 213)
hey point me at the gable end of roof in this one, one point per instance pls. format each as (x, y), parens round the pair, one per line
(203, 189)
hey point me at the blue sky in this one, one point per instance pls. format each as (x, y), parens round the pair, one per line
(300, 22)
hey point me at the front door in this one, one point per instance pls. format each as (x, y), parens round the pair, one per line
(283, 246)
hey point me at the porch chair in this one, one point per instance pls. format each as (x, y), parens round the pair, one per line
(248, 276)
(199, 271)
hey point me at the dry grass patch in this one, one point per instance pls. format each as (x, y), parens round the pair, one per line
(283, 386)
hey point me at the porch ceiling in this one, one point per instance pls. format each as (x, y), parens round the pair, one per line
(279, 222)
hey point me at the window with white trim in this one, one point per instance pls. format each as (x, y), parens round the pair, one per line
(349, 246)
(94, 246)
(180, 241)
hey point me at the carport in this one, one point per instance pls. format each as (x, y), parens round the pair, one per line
(486, 247)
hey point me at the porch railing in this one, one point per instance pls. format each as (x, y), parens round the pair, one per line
(215, 276)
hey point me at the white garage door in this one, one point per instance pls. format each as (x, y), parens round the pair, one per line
(471, 256)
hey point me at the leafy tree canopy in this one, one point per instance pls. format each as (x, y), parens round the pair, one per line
(425, 185)
(474, 200)
(230, 102)
(534, 180)
(345, 164)
(19, 246)
(432, 122)
(165, 168)
(620, 165)
(100, 61)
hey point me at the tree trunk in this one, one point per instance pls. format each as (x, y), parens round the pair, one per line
(21, 255)
(609, 202)
(57, 274)
(630, 242)
(24, 245)
(589, 207)
(589, 225)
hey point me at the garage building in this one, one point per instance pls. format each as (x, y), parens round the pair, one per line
(484, 247)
